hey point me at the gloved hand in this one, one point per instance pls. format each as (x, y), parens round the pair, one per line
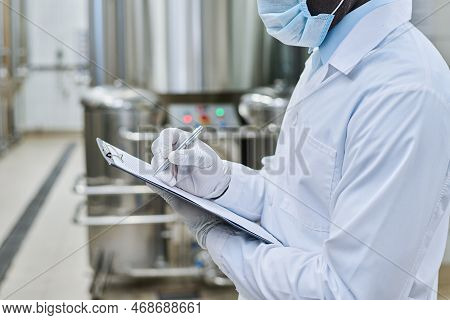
(196, 169)
(199, 221)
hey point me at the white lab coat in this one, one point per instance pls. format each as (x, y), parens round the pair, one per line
(358, 189)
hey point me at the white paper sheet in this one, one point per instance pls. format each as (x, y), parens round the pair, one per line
(143, 171)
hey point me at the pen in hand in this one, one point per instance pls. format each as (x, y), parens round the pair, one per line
(195, 134)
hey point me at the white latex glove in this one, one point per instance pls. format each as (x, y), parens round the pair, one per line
(197, 169)
(199, 221)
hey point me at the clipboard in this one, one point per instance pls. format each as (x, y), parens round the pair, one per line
(143, 171)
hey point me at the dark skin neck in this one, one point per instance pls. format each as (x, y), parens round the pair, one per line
(327, 6)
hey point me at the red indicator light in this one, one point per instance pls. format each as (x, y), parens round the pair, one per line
(205, 119)
(187, 118)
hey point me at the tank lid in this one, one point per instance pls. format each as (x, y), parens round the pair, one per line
(119, 97)
(270, 97)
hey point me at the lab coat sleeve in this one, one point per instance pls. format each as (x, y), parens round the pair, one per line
(384, 211)
(245, 194)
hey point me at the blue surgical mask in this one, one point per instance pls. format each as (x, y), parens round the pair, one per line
(290, 22)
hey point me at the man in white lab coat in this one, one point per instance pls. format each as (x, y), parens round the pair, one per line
(359, 187)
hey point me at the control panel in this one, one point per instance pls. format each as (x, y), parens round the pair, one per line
(216, 115)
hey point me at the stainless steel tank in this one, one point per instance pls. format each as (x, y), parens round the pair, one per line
(186, 47)
(13, 63)
(119, 243)
(266, 105)
(116, 33)
(107, 36)
(19, 40)
(5, 77)
(5, 41)
(108, 112)
(204, 46)
(13, 40)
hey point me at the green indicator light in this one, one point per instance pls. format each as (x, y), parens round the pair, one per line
(220, 112)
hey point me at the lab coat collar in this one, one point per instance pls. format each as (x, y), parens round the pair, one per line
(369, 33)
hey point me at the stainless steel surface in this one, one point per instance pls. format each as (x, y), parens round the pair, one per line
(258, 143)
(125, 221)
(107, 41)
(266, 105)
(128, 246)
(127, 228)
(5, 40)
(120, 97)
(204, 46)
(191, 272)
(187, 47)
(4, 45)
(8, 129)
(80, 187)
(108, 111)
(81, 218)
(13, 40)
(3, 124)
(18, 40)
(13, 63)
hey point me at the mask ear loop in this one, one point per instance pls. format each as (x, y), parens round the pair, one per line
(338, 7)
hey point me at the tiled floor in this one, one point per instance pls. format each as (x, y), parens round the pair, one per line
(22, 170)
(52, 261)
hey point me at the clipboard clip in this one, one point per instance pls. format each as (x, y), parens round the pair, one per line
(110, 154)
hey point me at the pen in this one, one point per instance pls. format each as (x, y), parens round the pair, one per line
(195, 134)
